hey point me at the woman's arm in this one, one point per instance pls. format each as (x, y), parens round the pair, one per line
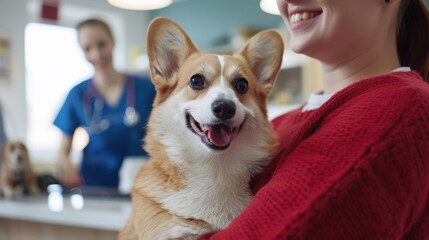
(69, 174)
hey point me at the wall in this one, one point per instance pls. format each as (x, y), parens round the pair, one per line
(208, 21)
(196, 16)
(13, 18)
(14, 15)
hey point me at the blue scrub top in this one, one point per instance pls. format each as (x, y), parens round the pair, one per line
(3, 138)
(107, 148)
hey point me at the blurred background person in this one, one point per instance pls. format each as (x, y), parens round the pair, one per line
(112, 107)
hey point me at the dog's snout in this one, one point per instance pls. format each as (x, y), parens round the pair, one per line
(20, 158)
(223, 109)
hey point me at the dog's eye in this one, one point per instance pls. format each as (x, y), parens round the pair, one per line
(241, 85)
(197, 82)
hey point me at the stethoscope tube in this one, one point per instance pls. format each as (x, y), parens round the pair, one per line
(93, 116)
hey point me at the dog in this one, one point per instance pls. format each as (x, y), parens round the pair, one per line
(17, 176)
(207, 135)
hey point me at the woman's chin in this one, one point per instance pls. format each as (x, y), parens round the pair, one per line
(304, 46)
(103, 68)
(298, 46)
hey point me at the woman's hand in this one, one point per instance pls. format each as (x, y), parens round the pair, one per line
(69, 176)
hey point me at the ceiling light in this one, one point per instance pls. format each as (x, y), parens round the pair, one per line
(140, 4)
(269, 6)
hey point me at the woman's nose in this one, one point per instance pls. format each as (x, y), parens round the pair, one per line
(94, 54)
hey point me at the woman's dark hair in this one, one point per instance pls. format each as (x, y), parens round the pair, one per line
(97, 22)
(413, 36)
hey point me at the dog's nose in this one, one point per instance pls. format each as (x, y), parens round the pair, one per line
(223, 109)
(20, 158)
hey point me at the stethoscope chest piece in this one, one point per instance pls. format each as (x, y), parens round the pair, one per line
(103, 125)
(131, 117)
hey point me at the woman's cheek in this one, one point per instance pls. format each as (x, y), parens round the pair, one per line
(283, 8)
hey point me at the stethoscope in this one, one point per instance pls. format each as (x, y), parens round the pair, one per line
(93, 115)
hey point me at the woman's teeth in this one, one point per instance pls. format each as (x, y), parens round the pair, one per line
(297, 17)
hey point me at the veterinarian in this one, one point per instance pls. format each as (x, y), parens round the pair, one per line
(111, 106)
(354, 160)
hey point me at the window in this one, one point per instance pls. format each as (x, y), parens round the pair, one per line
(54, 63)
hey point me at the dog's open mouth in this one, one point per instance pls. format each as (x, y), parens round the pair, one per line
(217, 136)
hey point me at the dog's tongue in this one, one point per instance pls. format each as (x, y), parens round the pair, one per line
(219, 135)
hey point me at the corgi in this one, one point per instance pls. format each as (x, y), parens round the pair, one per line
(207, 135)
(16, 171)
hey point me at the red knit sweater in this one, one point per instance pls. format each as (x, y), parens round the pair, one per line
(356, 168)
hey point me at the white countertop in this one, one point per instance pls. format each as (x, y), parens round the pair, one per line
(97, 213)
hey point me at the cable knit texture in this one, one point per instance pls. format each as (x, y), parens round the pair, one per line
(356, 168)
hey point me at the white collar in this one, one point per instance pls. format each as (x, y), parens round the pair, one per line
(402, 69)
(315, 100)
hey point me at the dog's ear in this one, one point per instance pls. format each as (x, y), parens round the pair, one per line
(24, 150)
(168, 46)
(264, 53)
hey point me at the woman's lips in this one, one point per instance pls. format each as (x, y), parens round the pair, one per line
(300, 19)
(302, 16)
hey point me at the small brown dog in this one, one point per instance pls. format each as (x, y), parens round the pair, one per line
(16, 172)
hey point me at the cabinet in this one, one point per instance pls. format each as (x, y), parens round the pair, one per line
(34, 217)
(299, 76)
(12, 229)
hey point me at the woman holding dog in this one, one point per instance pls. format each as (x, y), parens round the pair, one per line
(112, 107)
(355, 163)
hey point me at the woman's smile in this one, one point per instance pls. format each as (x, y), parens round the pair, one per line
(297, 17)
(300, 17)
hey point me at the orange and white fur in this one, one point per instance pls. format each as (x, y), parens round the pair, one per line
(16, 172)
(208, 134)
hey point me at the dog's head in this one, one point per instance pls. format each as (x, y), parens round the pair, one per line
(208, 103)
(15, 157)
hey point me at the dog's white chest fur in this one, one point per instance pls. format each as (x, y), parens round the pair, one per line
(213, 197)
